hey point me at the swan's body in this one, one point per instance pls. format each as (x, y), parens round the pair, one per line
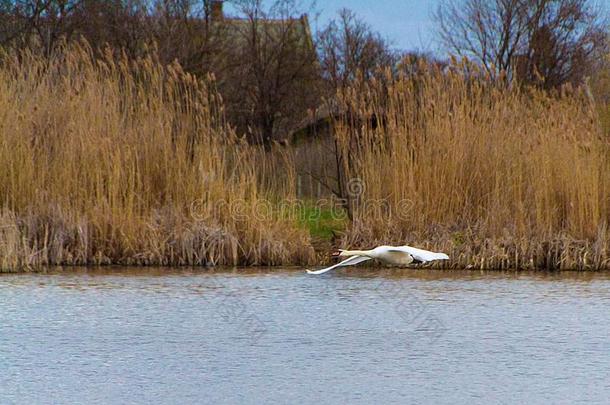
(392, 255)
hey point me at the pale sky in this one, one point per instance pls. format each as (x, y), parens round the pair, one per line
(406, 24)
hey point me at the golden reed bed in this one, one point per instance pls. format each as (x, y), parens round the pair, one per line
(116, 161)
(496, 176)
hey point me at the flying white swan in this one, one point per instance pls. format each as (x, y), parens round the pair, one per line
(393, 255)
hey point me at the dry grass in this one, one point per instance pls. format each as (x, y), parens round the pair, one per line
(117, 161)
(498, 177)
(599, 85)
(130, 162)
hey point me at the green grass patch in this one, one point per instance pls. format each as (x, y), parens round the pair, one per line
(322, 222)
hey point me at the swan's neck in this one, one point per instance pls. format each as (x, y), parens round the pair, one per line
(356, 253)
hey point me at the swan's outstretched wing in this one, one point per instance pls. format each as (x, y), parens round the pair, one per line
(420, 255)
(347, 262)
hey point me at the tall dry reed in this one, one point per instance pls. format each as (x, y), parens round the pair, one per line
(110, 160)
(117, 161)
(494, 175)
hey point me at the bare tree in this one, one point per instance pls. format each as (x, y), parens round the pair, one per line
(347, 47)
(184, 31)
(271, 78)
(545, 42)
(350, 53)
(122, 24)
(42, 24)
(264, 60)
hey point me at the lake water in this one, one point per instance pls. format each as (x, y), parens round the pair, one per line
(258, 336)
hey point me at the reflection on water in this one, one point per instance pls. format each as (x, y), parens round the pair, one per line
(359, 335)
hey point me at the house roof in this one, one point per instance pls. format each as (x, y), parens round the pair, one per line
(299, 26)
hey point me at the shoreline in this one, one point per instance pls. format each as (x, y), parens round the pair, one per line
(368, 269)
